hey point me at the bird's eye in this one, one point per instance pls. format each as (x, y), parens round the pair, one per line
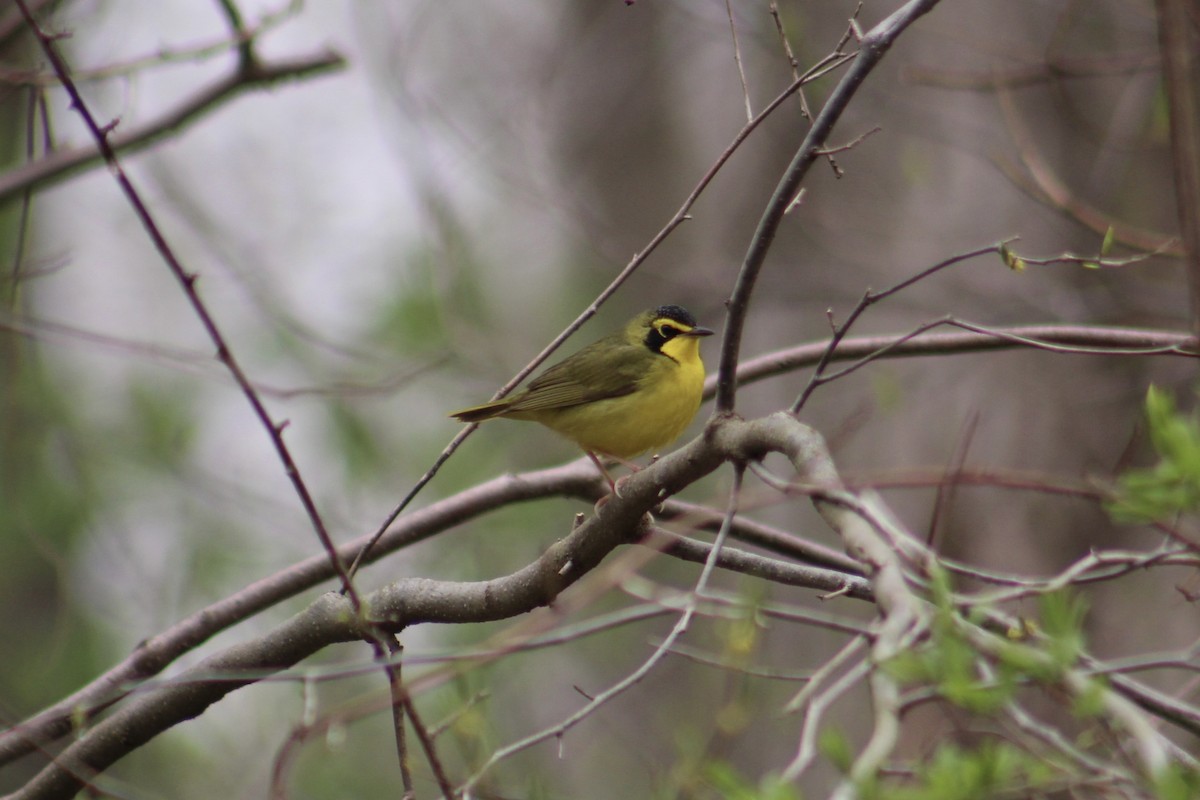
(668, 331)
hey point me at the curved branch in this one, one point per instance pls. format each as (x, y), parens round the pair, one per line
(154, 654)
(864, 524)
(872, 49)
(331, 618)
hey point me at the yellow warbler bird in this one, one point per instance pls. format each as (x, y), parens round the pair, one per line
(634, 390)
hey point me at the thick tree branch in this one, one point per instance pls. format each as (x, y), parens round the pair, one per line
(864, 524)
(331, 619)
(746, 530)
(578, 479)
(328, 620)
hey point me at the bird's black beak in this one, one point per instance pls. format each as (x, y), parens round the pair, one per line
(698, 331)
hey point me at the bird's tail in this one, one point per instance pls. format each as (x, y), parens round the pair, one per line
(480, 413)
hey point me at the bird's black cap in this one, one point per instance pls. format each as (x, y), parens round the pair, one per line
(677, 313)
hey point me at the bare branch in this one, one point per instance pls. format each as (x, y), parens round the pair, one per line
(399, 702)
(737, 57)
(872, 49)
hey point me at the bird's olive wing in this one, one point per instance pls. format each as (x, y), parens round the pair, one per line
(608, 368)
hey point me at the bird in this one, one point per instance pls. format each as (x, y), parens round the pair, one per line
(631, 391)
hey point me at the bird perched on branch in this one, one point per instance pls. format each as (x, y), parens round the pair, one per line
(632, 391)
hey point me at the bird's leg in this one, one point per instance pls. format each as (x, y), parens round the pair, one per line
(633, 467)
(600, 466)
(615, 486)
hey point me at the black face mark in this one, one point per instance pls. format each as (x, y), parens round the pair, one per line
(661, 332)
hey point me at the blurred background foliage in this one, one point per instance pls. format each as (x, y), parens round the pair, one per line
(395, 240)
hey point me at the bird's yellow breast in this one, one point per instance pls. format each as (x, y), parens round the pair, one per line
(664, 403)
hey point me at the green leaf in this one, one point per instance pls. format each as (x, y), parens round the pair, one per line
(909, 666)
(1110, 235)
(1090, 702)
(731, 785)
(1177, 782)
(834, 745)
(1172, 486)
(1011, 259)
(995, 769)
(1062, 621)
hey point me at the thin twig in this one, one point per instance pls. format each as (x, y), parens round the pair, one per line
(944, 496)
(855, 142)
(402, 704)
(1066, 339)
(18, 263)
(820, 702)
(793, 63)
(237, 26)
(869, 298)
(775, 540)
(1023, 76)
(421, 483)
(737, 58)
(427, 745)
(1037, 179)
(1179, 43)
(163, 56)
(776, 571)
(723, 663)
(1090, 262)
(393, 667)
